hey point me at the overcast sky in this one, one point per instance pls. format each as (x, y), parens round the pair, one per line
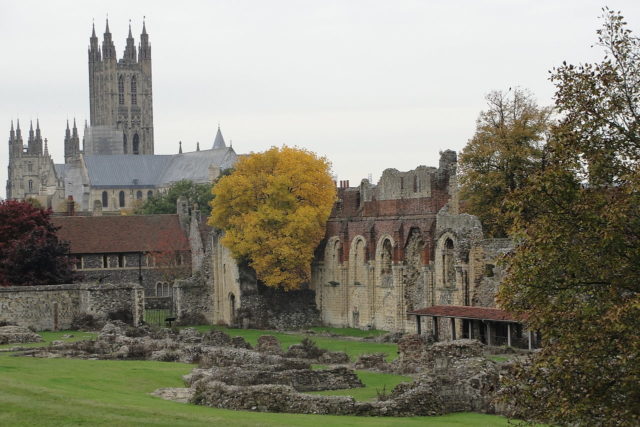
(369, 84)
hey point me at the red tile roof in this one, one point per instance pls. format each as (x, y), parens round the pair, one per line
(467, 312)
(109, 234)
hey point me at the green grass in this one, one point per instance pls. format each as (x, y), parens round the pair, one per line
(352, 348)
(103, 392)
(49, 336)
(349, 332)
(374, 382)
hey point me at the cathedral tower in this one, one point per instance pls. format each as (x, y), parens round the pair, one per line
(120, 94)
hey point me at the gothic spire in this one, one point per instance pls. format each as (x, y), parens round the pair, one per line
(67, 132)
(130, 49)
(219, 141)
(75, 129)
(108, 49)
(180, 149)
(144, 51)
(198, 146)
(38, 128)
(18, 132)
(93, 30)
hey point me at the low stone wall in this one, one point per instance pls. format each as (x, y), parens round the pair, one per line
(55, 307)
(192, 300)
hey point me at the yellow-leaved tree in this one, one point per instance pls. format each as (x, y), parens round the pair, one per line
(273, 209)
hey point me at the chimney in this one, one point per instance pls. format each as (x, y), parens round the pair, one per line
(71, 206)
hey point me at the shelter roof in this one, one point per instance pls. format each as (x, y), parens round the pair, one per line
(467, 312)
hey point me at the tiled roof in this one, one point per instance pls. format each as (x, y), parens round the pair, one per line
(467, 312)
(126, 170)
(111, 234)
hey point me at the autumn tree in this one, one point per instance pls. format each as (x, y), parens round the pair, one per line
(30, 252)
(273, 209)
(505, 149)
(576, 271)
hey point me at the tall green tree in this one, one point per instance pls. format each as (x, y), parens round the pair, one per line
(165, 203)
(576, 273)
(504, 151)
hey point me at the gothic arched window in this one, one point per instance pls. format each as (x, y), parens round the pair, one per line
(139, 195)
(121, 90)
(134, 91)
(124, 143)
(121, 199)
(149, 193)
(105, 199)
(30, 186)
(136, 144)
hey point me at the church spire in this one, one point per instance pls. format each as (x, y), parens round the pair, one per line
(219, 141)
(130, 49)
(144, 51)
(108, 48)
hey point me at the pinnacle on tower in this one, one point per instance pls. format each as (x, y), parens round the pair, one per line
(31, 130)
(108, 49)
(219, 141)
(180, 149)
(198, 146)
(75, 129)
(144, 50)
(67, 132)
(130, 49)
(18, 132)
(37, 128)
(12, 133)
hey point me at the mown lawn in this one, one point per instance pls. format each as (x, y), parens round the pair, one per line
(374, 383)
(352, 348)
(102, 392)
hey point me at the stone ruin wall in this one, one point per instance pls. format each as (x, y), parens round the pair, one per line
(375, 262)
(55, 307)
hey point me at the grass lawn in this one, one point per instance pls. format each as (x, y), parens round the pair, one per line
(103, 392)
(349, 332)
(49, 336)
(352, 348)
(374, 382)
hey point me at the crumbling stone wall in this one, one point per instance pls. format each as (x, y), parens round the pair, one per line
(392, 223)
(485, 271)
(54, 307)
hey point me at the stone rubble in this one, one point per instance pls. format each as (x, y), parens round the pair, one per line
(17, 334)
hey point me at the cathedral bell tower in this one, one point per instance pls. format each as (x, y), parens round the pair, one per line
(120, 96)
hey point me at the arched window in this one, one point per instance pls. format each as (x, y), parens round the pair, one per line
(386, 258)
(121, 90)
(124, 143)
(448, 267)
(30, 186)
(121, 198)
(139, 195)
(105, 199)
(149, 194)
(136, 144)
(134, 91)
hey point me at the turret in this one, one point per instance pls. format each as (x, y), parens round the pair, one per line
(94, 49)
(130, 49)
(144, 51)
(108, 48)
(219, 141)
(71, 143)
(15, 142)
